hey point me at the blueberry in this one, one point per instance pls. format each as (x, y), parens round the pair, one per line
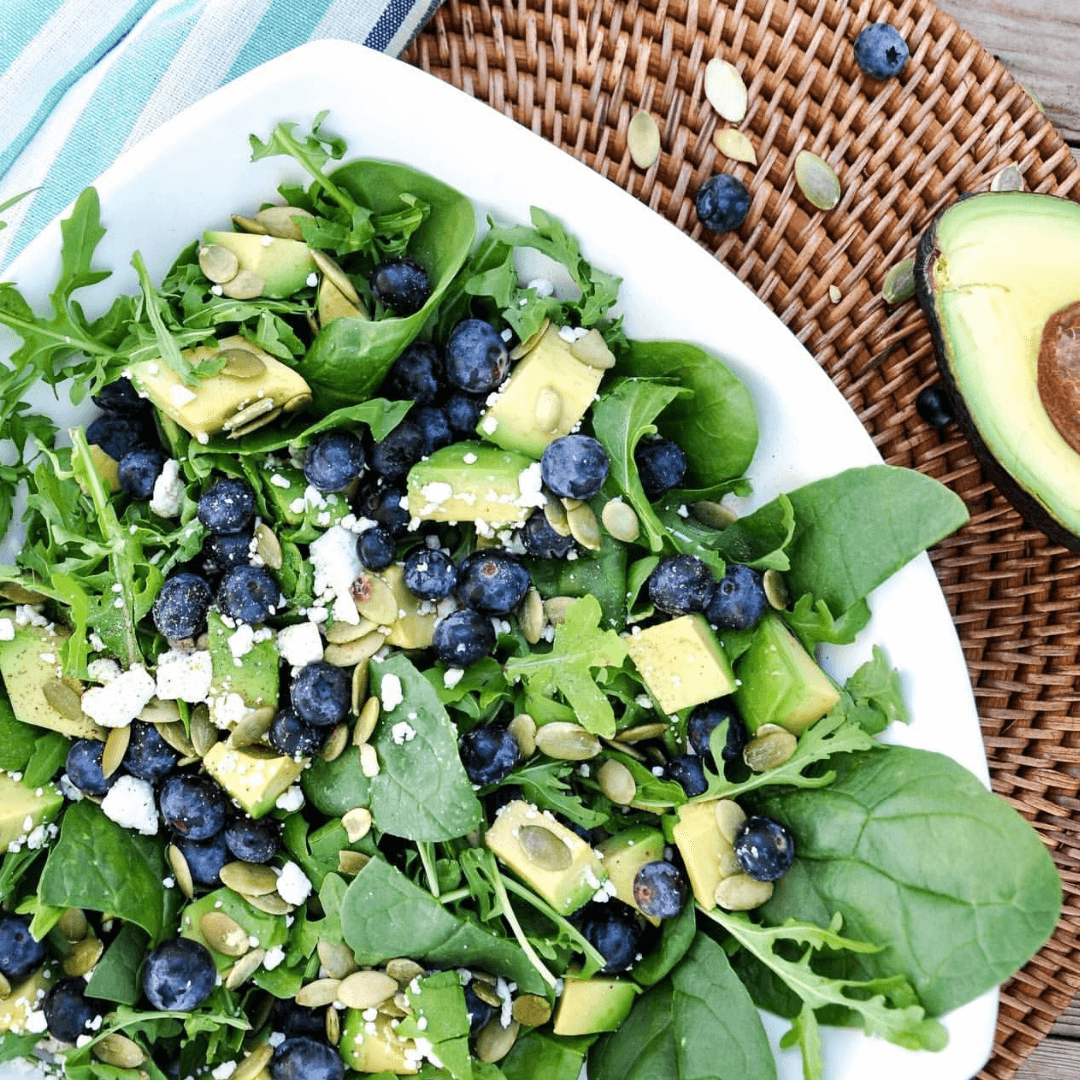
(304, 1058)
(294, 1020)
(429, 574)
(226, 550)
(117, 433)
(434, 426)
(765, 848)
(489, 753)
(148, 756)
(193, 805)
(479, 1010)
(660, 889)
(680, 585)
(383, 506)
(293, 737)
(227, 505)
(119, 396)
(704, 720)
(376, 548)
(20, 954)
(138, 470)
(722, 203)
(934, 406)
(178, 975)
(880, 51)
(205, 858)
(68, 1012)
(464, 412)
(689, 772)
(614, 930)
(477, 359)
(661, 466)
(416, 375)
(181, 605)
(574, 467)
(401, 284)
(463, 637)
(248, 594)
(253, 840)
(492, 582)
(84, 767)
(321, 693)
(333, 460)
(738, 600)
(542, 541)
(394, 456)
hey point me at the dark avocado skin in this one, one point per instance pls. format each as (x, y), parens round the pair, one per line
(1034, 512)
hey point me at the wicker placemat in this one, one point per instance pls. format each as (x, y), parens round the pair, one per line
(575, 72)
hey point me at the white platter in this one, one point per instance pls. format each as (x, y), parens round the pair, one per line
(194, 171)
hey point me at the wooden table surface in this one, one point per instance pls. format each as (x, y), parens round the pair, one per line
(1039, 42)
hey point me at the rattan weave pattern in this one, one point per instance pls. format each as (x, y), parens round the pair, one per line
(575, 71)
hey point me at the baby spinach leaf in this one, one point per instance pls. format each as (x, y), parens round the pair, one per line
(538, 1055)
(760, 539)
(334, 787)
(421, 791)
(16, 738)
(116, 974)
(676, 937)
(601, 574)
(907, 845)
(644, 1046)
(439, 1014)
(50, 753)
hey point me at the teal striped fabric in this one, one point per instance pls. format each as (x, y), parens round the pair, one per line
(83, 80)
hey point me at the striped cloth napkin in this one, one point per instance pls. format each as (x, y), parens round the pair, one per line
(83, 80)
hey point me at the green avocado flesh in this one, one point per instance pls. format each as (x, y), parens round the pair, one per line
(991, 270)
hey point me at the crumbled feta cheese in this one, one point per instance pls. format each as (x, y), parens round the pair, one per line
(300, 644)
(572, 333)
(541, 286)
(273, 957)
(184, 676)
(530, 485)
(452, 676)
(7, 630)
(168, 497)
(241, 641)
(402, 731)
(279, 481)
(224, 1070)
(337, 565)
(130, 803)
(312, 279)
(120, 701)
(489, 425)
(390, 693)
(292, 884)
(103, 670)
(291, 799)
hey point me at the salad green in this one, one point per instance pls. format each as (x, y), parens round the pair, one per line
(913, 889)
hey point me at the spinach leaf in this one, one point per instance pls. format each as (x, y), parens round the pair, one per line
(538, 1055)
(15, 1047)
(116, 974)
(335, 787)
(439, 1014)
(716, 424)
(921, 859)
(48, 757)
(421, 791)
(124, 877)
(16, 738)
(676, 937)
(601, 574)
(644, 1046)
(385, 915)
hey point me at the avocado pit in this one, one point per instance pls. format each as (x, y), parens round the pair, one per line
(1059, 372)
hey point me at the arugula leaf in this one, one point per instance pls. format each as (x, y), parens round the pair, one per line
(812, 622)
(579, 646)
(872, 696)
(544, 783)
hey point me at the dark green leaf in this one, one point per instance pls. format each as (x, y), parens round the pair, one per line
(538, 1055)
(676, 937)
(644, 1047)
(116, 974)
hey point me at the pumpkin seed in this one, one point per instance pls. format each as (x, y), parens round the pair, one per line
(625, 748)
(19, 594)
(247, 285)
(175, 735)
(352, 862)
(835, 295)
(224, 934)
(403, 970)
(567, 741)
(333, 1025)
(817, 180)
(544, 848)
(244, 968)
(899, 282)
(318, 993)
(353, 652)
(251, 729)
(73, 925)
(741, 892)
(620, 520)
(555, 608)
(592, 349)
(268, 546)
(617, 782)
(641, 732)
(242, 420)
(341, 633)
(530, 343)
(486, 992)
(5, 987)
(119, 1051)
(770, 747)
(531, 617)
(366, 721)
(337, 959)
(241, 364)
(357, 823)
(116, 744)
(495, 1041)
(281, 221)
(181, 871)
(366, 989)
(713, 514)
(249, 879)
(531, 1010)
(369, 760)
(1008, 179)
(523, 728)
(335, 745)
(271, 903)
(735, 145)
(83, 956)
(218, 263)
(338, 278)
(584, 527)
(725, 90)
(249, 225)
(202, 730)
(254, 1063)
(555, 513)
(729, 818)
(547, 408)
(643, 139)
(375, 600)
(775, 590)
(399, 1006)
(727, 863)
(63, 698)
(359, 691)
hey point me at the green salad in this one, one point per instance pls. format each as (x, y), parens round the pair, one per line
(389, 689)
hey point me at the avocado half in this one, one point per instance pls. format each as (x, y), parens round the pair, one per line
(998, 277)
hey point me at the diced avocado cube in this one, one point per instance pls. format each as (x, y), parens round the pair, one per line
(625, 854)
(29, 662)
(284, 265)
(473, 482)
(107, 467)
(240, 683)
(548, 392)
(589, 1006)
(566, 879)
(412, 622)
(373, 1046)
(24, 999)
(254, 777)
(23, 809)
(780, 682)
(681, 662)
(703, 847)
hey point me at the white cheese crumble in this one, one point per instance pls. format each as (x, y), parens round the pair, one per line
(391, 693)
(224, 1070)
(291, 799)
(7, 630)
(292, 885)
(402, 731)
(572, 333)
(120, 701)
(103, 670)
(273, 958)
(300, 644)
(337, 565)
(168, 497)
(130, 803)
(184, 676)
(452, 676)
(541, 286)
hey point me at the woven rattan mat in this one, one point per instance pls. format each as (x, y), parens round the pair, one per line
(575, 71)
